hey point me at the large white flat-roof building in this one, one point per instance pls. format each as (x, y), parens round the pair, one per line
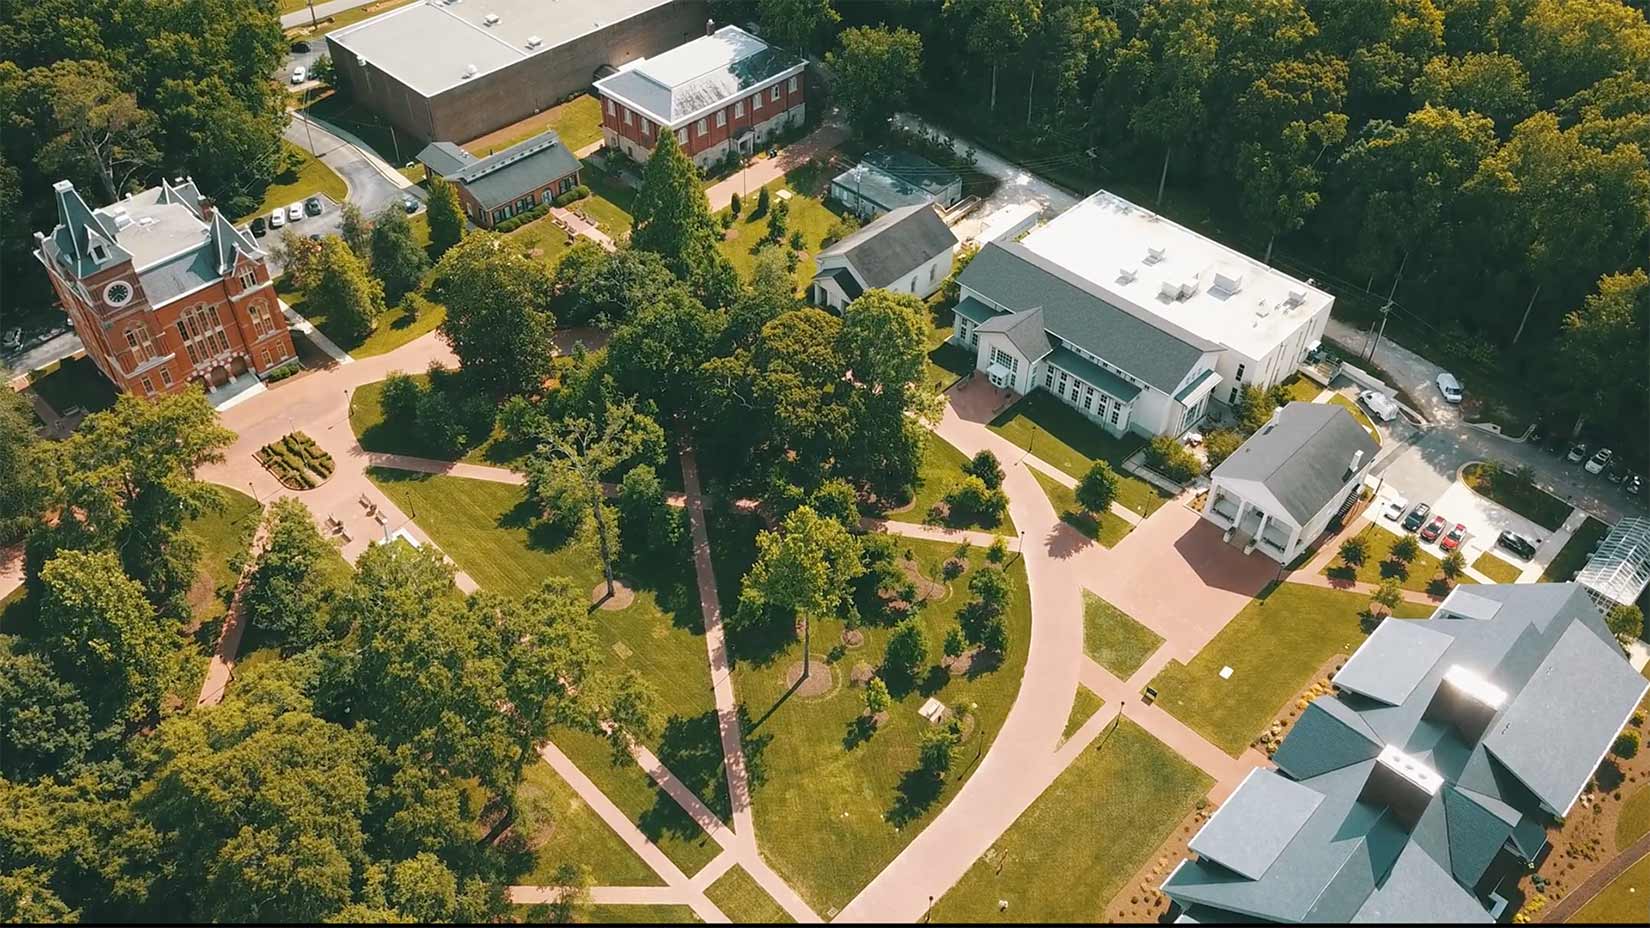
(452, 70)
(1265, 319)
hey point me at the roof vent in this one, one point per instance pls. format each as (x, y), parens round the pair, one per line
(121, 217)
(1263, 308)
(490, 19)
(1154, 254)
(470, 71)
(1296, 296)
(534, 41)
(1404, 785)
(1357, 462)
(1169, 290)
(1127, 275)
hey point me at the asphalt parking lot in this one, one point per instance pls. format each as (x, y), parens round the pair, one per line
(328, 223)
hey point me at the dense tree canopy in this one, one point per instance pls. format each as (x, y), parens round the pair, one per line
(498, 313)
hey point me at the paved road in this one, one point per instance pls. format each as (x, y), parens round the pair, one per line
(1017, 185)
(373, 183)
(51, 350)
(1426, 470)
(300, 18)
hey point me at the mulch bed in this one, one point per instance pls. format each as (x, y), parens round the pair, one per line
(928, 588)
(1268, 740)
(853, 638)
(861, 674)
(622, 596)
(821, 680)
(1140, 901)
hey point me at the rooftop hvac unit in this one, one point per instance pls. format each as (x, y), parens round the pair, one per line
(1263, 308)
(1154, 254)
(490, 19)
(1128, 274)
(470, 71)
(1296, 297)
(534, 41)
(1229, 281)
(1169, 290)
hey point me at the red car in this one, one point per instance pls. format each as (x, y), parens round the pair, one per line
(1433, 529)
(1454, 537)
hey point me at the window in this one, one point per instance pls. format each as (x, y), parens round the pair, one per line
(99, 254)
(498, 214)
(932, 270)
(524, 204)
(1088, 397)
(738, 109)
(775, 95)
(627, 117)
(148, 388)
(756, 100)
(264, 354)
(999, 356)
(721, 118)
(1239, 377)
(681, 136)
(262, 324)
(1115, 410)
(1232, 399)
(1048, 378)
(249, 280)
(647, 129)
(1061, 389)
(700, 125)
(610, 107)
(793, 85)
(165, 377)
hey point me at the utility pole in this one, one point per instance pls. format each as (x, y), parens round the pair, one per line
(312, 23)
(1387, 308)
(1526, 318)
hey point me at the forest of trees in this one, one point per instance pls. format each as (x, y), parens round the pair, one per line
(1487, 158)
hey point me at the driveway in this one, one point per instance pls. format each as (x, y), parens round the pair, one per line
(302, 17)
(373, 183)
(1427, 468)
(327, 223)
(1016, 184)
(60, 346)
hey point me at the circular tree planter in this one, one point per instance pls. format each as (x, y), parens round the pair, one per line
(623, 595)
(853, 638)
(821, 680)
(861, 674)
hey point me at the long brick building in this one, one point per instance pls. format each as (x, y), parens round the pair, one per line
(163, 290)
(723, 92)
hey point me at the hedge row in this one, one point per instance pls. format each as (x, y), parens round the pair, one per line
(297, 461)
(283, 372)
(572, 196)
(520, 219)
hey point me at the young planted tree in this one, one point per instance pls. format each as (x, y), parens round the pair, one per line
(584, 451)
(906, 652)
(1219, 444)
(876, 697)
(1098, 488)
(354, 298)
(985, 466)
(937, 748)
(1389, 595)
(1625, 622)
(806, 568)
(1354, 549)
(1455, 564)
(355, 230)
(397, 258)
(1405, 549)
(446, 216)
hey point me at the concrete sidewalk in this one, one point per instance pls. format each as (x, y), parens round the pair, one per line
(766, 170)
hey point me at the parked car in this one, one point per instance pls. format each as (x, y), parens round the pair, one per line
(1595, 464)
(13, 339)
(1578, 453)
(295, 212)
(259, 226)
(277, 219)
(1417, 517)
(312, 206)
(409, 204)
(1615, 473)
(1450, 387)
(1380, 404)
(1395, 508)
(1635, 484)
(300, 47)
(1454, 538)
(1433, 529)
(298, 74)
(1517, 544)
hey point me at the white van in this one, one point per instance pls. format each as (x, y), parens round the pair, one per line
(1450, 387)
(1379, 404)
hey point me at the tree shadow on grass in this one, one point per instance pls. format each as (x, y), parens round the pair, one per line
(542, 534)
(692, 749)
(917, 791)
(933, 681)
(859, 730)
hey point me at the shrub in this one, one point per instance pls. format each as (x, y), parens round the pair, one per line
(985, 466)
(972, 499)
(1170, 458)
(906, 651)
(1219, 444)
(952, 568)
(762, 204)
(998, 552)
(400, 397)
(797, 241)
(735, 204)
(278, 374)
(937, 513)
(938, 748)
(1098, 488)
(1626, 746)
(572, 196)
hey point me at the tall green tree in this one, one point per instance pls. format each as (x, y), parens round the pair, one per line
(804, 569)
(397, 258)
(1606, 338)
(876, 70)
(883, 348)
(1570, 44)
(297, 579)
(796, 24)
(355, 299)
(445, 214)
(1163, 74)
(657, 355)
(46, 728)
(1290, 118)
(671, 216)
(1494, 85)
(355, 230)
(23, 493)
(99, 130)
(995, 30)
(498, 313)
(1098, 488)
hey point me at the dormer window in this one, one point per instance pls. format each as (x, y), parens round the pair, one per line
(249, 280)
(99, 254)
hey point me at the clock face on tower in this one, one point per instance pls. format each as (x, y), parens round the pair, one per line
(118, 293)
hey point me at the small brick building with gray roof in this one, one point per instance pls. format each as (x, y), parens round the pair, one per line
(518, 179)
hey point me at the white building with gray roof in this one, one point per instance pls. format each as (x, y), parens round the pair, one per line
(907, 251)
(1281, 488)
(1423, 789)
(1147, 321)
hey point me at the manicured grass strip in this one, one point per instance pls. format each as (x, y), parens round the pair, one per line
(1620, 903)
(1082, 709)
(1273, 646)
(305, 177)
(744, 237)
(1101, 818)
(1109, 529)
(1419, 575)
(578, 122)
(744, 902)
(543, 241)
(610, 914)
(947, 361)
(1115, 640)
(1357, 414)
(1508, 488)
(223, 534)
(1302, 390)
(610, 203)
(569, 831)
(1496, 568)
(1573, 556)
(395, 328)
(376, 433)
(847, 801)
(941, 470)
(73, 382)
(1633, 822)
(1067, 439)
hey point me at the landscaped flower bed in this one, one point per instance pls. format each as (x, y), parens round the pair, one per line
(296, 461)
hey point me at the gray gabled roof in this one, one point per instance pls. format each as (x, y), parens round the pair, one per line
(690, 78)
(1157, 352)
(895, 244)
(1248, 833)
(1395, 659)
(1327, 736)
(526, 166)
(845, 280)
(1024, 330)
(1303, 456)
(445, 158)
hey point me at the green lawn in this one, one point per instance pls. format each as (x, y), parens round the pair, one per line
(1066, 439)
(610, 914)
(1573, 556)
(1114, 639)
(578, 122)
(1507, 488)
(1082, 709)
(396, 327)
(73, 382)
(1418, 575)
(1068, 854)
(742, 239)
(366, 418)
(543, 241)
(1109, 529)
(941, 470)
(744, 902)
(1273, 646)
(223, 534)
(1634, 821)
(1620, 903)
(610, 203)
(1498, 569)
(1301, 390)
(492, 533)
(305, 177)
(846, 801)
(1357, 414)
(569, 831)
